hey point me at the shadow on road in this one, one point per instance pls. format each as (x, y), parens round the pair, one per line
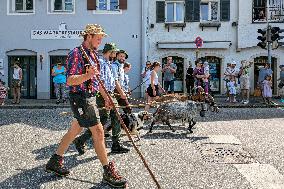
(37, 177)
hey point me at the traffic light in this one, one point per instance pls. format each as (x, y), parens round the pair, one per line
(262, 38)
(275, 37)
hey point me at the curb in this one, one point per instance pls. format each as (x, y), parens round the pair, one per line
(32, 107)
(67, 106)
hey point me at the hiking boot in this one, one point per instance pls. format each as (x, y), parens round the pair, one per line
(112, 177)
(55, 165)
(118, 149)
(57, 101)
(81, 148)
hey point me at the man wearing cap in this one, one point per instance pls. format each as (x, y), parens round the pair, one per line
(83, 87)
(109, 82)
(119, 76)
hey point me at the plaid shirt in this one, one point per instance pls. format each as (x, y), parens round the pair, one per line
(106, 74)
(75, 66)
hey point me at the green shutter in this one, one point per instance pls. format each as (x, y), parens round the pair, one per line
(160, 11)
(225, 10)
(192, 10)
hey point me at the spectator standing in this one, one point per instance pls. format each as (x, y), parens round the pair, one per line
(230, 71)
(189, 79)
(281, 83)
(244, 80)
(59, 80)
(16, 83)
(232, 89)
(267, 91)
(169, 71)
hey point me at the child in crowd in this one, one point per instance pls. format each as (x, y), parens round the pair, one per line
(267, 91)
(232, 89)
(3, 92)
(206, 76)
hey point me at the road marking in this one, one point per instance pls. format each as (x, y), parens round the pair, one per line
(224, 139)
(261, 176)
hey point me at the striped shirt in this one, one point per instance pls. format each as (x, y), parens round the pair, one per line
(118, 72)
(125, 86)
(106, 74)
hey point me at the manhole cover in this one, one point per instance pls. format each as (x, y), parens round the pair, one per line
(225, 153)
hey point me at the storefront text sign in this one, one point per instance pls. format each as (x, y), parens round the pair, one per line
(56, 34)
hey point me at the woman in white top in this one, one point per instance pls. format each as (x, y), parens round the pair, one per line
(16, 83)
(146, 74)
(153, 88)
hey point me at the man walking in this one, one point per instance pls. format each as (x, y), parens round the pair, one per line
(83, 88)
(107, 77)
(169, 71)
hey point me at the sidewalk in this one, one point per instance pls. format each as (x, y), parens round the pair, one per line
(220, 100)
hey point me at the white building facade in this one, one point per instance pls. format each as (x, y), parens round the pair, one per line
(228, 29)
(37, 33)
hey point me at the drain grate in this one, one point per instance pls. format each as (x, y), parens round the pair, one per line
(225, 153)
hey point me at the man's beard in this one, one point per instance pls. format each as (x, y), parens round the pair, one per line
(121, 62)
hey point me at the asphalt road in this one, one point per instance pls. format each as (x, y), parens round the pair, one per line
(236, 148)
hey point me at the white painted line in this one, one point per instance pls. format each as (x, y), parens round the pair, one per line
(224, 139)
(261, 176)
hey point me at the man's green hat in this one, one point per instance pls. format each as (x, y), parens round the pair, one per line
(124, 52)
(110, 47)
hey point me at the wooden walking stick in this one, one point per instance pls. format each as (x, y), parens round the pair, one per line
(120, 119)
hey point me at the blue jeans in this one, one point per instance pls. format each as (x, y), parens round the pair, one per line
(168, 84)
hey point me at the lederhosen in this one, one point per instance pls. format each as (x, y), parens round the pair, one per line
(83, 104)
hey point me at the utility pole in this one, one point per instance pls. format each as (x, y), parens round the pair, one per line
(269, 42)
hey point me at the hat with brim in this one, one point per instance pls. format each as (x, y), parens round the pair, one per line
(93, 29)
(234, 63)
(110, 47)
(123, 52)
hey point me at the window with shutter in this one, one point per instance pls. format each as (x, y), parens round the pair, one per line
(225, 10)
(209, 10)
(24, 5)
(192, 10)
(123, 4)
(91, 4)
(62, 6)
(110, 6)
(174, 12)
(160, 11)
